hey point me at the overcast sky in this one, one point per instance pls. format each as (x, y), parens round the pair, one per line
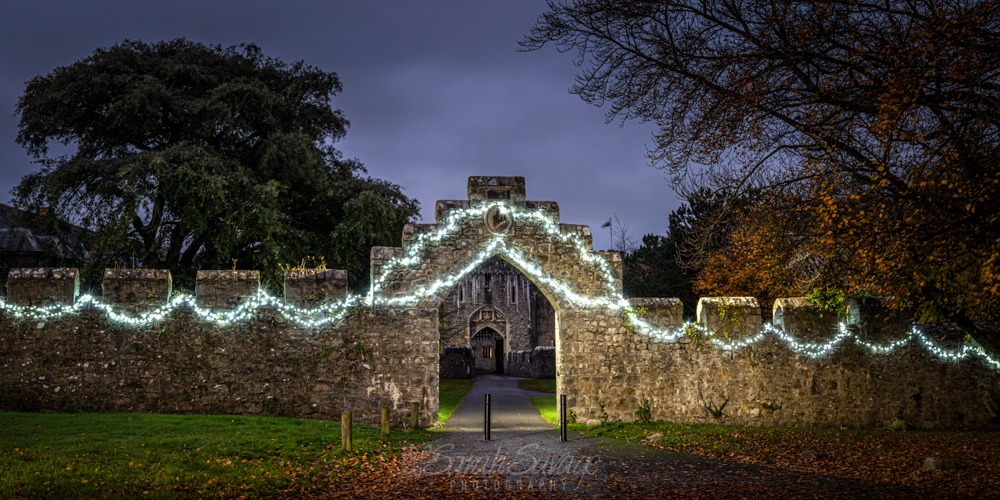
(435, 92)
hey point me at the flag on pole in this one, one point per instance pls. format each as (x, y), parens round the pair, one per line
(607, 224)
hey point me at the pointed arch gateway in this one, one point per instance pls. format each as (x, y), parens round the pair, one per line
(583, 286)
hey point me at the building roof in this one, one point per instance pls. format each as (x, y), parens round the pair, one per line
(24, 232)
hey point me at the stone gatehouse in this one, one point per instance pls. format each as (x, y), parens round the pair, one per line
(317, 352)
(499, 316)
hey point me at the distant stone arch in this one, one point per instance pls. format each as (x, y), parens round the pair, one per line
(488, 317)
(488, 350)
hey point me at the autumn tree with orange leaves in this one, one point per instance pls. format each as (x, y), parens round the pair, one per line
(861, 137)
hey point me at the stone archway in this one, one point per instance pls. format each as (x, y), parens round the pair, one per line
(582, 286)
(497, 295)
(489, 317)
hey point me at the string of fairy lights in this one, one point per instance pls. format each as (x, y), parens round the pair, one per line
(334, 312)
(329, 313)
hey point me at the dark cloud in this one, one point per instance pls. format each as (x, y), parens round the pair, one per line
(435, 92)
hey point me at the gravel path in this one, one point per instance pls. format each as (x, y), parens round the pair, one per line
(524, 458)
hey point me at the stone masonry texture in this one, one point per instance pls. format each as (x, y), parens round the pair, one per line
(312, 287)
(43, 287)
(136, 289)
(266, 366)
(390, 356)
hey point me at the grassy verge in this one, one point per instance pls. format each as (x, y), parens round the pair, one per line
(891, 457)
(451, 391)
(135, 455)
(538, 385)
(546, 406)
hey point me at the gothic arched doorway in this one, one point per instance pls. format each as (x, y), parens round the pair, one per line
(488, 351)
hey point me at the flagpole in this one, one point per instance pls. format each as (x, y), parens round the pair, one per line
(611, 234)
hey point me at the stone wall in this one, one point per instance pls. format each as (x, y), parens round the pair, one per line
(388, 356)
(539, 362)
(730, 317)
(690, 380)
(225, 289)
(545, 320)
(387, 351)
(43, 286)
(457, 362)
(312, 287)
(136, 289)
(263, 366)
(497, 288)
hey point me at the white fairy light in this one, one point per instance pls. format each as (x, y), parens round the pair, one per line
(612, 300)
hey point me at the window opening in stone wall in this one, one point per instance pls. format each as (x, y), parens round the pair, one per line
(487, 289)
(497, 195)
(461, 292)
(487, 352)
(512, 290)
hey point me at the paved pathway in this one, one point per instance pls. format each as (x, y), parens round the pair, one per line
(525, 458)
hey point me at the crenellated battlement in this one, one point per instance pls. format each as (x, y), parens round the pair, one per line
(319, 350)
(140, 289)
(143, 290)
(43, 286)
(137, 289)
(482, 189)
(147, 289)
(312, 287)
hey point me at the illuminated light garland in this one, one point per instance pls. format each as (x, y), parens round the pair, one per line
(309, 318)
(334, 312)
(497, 246)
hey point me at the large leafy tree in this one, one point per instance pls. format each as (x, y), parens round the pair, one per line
(181, 155)
(865, 133)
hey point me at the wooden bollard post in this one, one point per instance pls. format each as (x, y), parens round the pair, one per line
(415, 415)
(385, 420)
(345, 431)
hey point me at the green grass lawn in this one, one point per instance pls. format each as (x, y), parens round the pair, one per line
(546, 406)
(538, 385)
(451, 391)
(135, 455)
(97, 455)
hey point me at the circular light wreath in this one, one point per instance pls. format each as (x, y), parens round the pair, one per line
(498, 220)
